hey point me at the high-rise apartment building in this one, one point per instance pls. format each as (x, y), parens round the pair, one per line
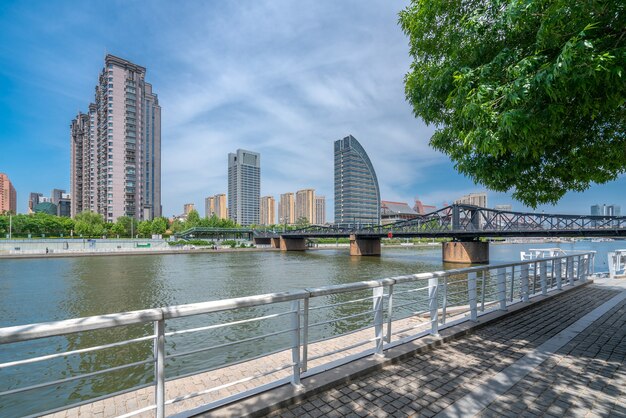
(216, 205)
(244, 186)
(268, 211)
(8, 195)
(357, 195)
(320, 210)
(116, 146)
(287, 209)
(188, 207)
(476, 199)
(305, 205)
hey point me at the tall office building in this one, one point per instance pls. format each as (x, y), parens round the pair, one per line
(62, 201)
(476, 199)
(320, 210)
(215, 205)
(287, 209)
(34, 198)
(357, 195)
(116, 147)
(8, 195)
(606, 210)
(305, 205)
(244, 186)
(268, 210)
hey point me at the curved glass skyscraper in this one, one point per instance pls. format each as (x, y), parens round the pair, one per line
(357, 195)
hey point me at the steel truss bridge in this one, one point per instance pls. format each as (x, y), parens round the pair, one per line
(467, 222)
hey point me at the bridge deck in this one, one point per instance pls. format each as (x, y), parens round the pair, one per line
(562, 357)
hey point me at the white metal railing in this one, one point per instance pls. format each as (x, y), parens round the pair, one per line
(396, 309)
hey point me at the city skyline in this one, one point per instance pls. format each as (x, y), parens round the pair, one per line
(308, 78)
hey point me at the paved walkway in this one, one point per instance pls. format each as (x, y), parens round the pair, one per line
(563, 357)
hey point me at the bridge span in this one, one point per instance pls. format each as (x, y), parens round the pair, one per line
(464, 224)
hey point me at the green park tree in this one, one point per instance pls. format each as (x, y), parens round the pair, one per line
(159, 226)
(193, 219)
(116, 229)
(145, 228)
(128, 226)
(89, 224)
(527, 96)
(177, 226)
(302, 222)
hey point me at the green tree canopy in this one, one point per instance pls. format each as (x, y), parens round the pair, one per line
(302, 222)
(145, 228)
(527, 95)
(159, 226)
(89, 224)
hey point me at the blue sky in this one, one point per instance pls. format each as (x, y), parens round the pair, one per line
(281, 78)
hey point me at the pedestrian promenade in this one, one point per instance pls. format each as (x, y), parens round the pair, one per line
(564, 357)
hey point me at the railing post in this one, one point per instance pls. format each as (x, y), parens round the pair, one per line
(433, 303)
(558, 273)
(444, 300)
(471, 291)
(501, 273)
(389, 313)
(524, 286)
(512, 281)
(378, 294)
(583, 267)
(482, 291)
(305, 334)
(295, 343)
(570, 270)
(579, 270)
(159, 367)
(543, 266)
(593, 263)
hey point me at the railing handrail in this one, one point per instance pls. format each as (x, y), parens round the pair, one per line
(63, 327)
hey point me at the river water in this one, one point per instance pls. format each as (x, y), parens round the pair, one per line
(41, 290)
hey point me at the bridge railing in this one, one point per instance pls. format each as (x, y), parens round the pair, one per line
(245, 345)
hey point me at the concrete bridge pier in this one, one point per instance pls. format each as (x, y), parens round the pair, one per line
(292, 244)
(467, 252)
(275, 242)
(364, 246)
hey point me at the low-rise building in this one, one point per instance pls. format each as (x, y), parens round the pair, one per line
(391, 212)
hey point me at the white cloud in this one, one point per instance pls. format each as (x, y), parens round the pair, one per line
(287, 82)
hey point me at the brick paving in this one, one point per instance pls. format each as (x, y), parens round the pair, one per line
(586, 377)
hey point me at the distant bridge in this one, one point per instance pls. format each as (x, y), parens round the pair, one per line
(465, 224)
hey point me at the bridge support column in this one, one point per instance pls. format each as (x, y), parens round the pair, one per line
(292, 244)
(275, 242)
(474, 252)
(364, 246)
(262, 241)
